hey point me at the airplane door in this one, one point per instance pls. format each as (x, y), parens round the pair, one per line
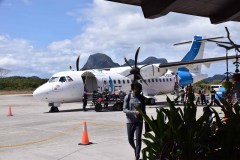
(104, 84)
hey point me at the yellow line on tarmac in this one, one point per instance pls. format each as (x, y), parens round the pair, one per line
(57, 135)
(42, 140)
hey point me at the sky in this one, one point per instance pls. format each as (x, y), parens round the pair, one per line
(42, 37)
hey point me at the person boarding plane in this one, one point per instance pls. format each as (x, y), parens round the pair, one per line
(68, 86)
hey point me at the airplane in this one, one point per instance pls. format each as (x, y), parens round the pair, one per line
(68, 86)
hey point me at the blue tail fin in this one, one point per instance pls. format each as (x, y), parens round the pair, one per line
(195, 52)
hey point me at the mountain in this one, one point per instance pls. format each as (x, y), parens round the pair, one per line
(217, 77)
(100, 60)
(149, 60)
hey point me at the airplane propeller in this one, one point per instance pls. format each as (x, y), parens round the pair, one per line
(135, 70)
(77, 63)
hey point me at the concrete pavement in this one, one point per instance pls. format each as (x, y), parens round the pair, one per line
(33, 133)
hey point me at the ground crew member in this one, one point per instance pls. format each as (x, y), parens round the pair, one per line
(95, 97)
(213, 93)
(85, 98)
(203, 97)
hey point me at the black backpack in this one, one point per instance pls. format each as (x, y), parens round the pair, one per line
(142, 99)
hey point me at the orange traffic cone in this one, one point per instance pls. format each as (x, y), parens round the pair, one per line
(10, 111)
(85, 140)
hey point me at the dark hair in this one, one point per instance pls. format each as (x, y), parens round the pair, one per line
(136, 85)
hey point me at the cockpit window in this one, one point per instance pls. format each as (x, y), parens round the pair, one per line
(62, 79)
(53, 79)
(69, 79)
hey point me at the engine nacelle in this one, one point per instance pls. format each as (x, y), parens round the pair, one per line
(185, 78)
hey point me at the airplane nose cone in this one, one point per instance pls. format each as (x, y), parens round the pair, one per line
(41, 93)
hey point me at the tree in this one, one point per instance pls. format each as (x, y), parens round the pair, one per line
(3, 72)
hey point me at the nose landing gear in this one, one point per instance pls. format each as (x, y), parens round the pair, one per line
(54, 107)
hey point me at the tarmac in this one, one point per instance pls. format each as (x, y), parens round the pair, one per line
(32, 133)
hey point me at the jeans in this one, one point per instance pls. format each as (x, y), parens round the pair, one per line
(137, 129)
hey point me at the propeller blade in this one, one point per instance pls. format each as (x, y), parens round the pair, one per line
(125, 59)
(77, 63)
(128, 74)
(140, 77)
(144, 65)
(153, 69)
(136, 56)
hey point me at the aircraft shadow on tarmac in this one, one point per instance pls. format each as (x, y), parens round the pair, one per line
(81, 110)
(165, 104)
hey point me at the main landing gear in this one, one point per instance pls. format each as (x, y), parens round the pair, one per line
(151, 101)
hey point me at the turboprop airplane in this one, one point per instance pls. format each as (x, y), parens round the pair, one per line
(69, 86)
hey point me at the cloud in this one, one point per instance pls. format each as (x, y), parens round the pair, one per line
(116, 30)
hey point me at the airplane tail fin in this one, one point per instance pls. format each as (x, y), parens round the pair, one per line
(195, 52)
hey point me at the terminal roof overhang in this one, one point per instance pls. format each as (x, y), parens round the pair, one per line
(218, 11)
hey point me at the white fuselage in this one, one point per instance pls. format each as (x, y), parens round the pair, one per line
(71, 90)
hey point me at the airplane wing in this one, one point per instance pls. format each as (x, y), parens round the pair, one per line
(218, 11)
(197, 61)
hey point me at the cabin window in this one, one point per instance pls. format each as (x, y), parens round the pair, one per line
(152, 80)
(167, 79)
(149, 80)
(69, 79)
(114, 81)
(170, 79)
(156, 80)
(140, 81)
(160, 80)
(62, 79)
(128, 81)
(163, 80)
(123, 81)
(119, 82)
(53, 79)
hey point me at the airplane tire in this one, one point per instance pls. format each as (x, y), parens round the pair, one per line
(151, 101)
(116, 107)
(98, 107)
(54, 109)
(120, 106)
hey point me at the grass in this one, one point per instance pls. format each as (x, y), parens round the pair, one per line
(7, 92)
